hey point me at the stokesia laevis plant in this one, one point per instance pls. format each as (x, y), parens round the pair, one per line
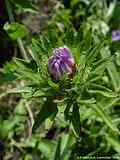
(61, 62)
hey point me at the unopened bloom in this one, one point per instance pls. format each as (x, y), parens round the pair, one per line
(116, 35)
(61, 61)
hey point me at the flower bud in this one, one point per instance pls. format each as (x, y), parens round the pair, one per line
(60, 62)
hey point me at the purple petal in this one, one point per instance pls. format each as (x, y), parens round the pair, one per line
(66, 52)
(70, 62)
(57, 71)
(62, 66)
(116, 35)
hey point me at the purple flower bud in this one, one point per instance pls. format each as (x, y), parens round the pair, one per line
(61, 61)
(116, 35)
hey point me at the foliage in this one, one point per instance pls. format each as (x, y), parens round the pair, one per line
(74, 117)
(15, 30)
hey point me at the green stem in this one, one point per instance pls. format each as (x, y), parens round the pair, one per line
(12, 19)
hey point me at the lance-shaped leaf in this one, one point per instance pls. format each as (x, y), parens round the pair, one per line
(111, 68)
(25, 5)
(49, 109)
(76, 119)
(106, 118)
(58, 151)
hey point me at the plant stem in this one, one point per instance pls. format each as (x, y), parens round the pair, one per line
(12, 19)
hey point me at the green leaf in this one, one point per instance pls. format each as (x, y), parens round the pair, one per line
(66, 112)
(20, 108)
(25, 5)
(53, 85)
(75, 2)
(117, 58)
(67, 141)
(99, 89)
(111, 68)
(103, 93)
(86, 101)
(94, 52)
(114, 142)
(39, 93)
(49, 109)
(7, 126)
(64, 143)
(106, 118)
(15, 30)
(100, 65)
(19, 90)
(7, 77)
(28, 157)
(58, 151)
(47, 148)
(24, 89)
(76, 119)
